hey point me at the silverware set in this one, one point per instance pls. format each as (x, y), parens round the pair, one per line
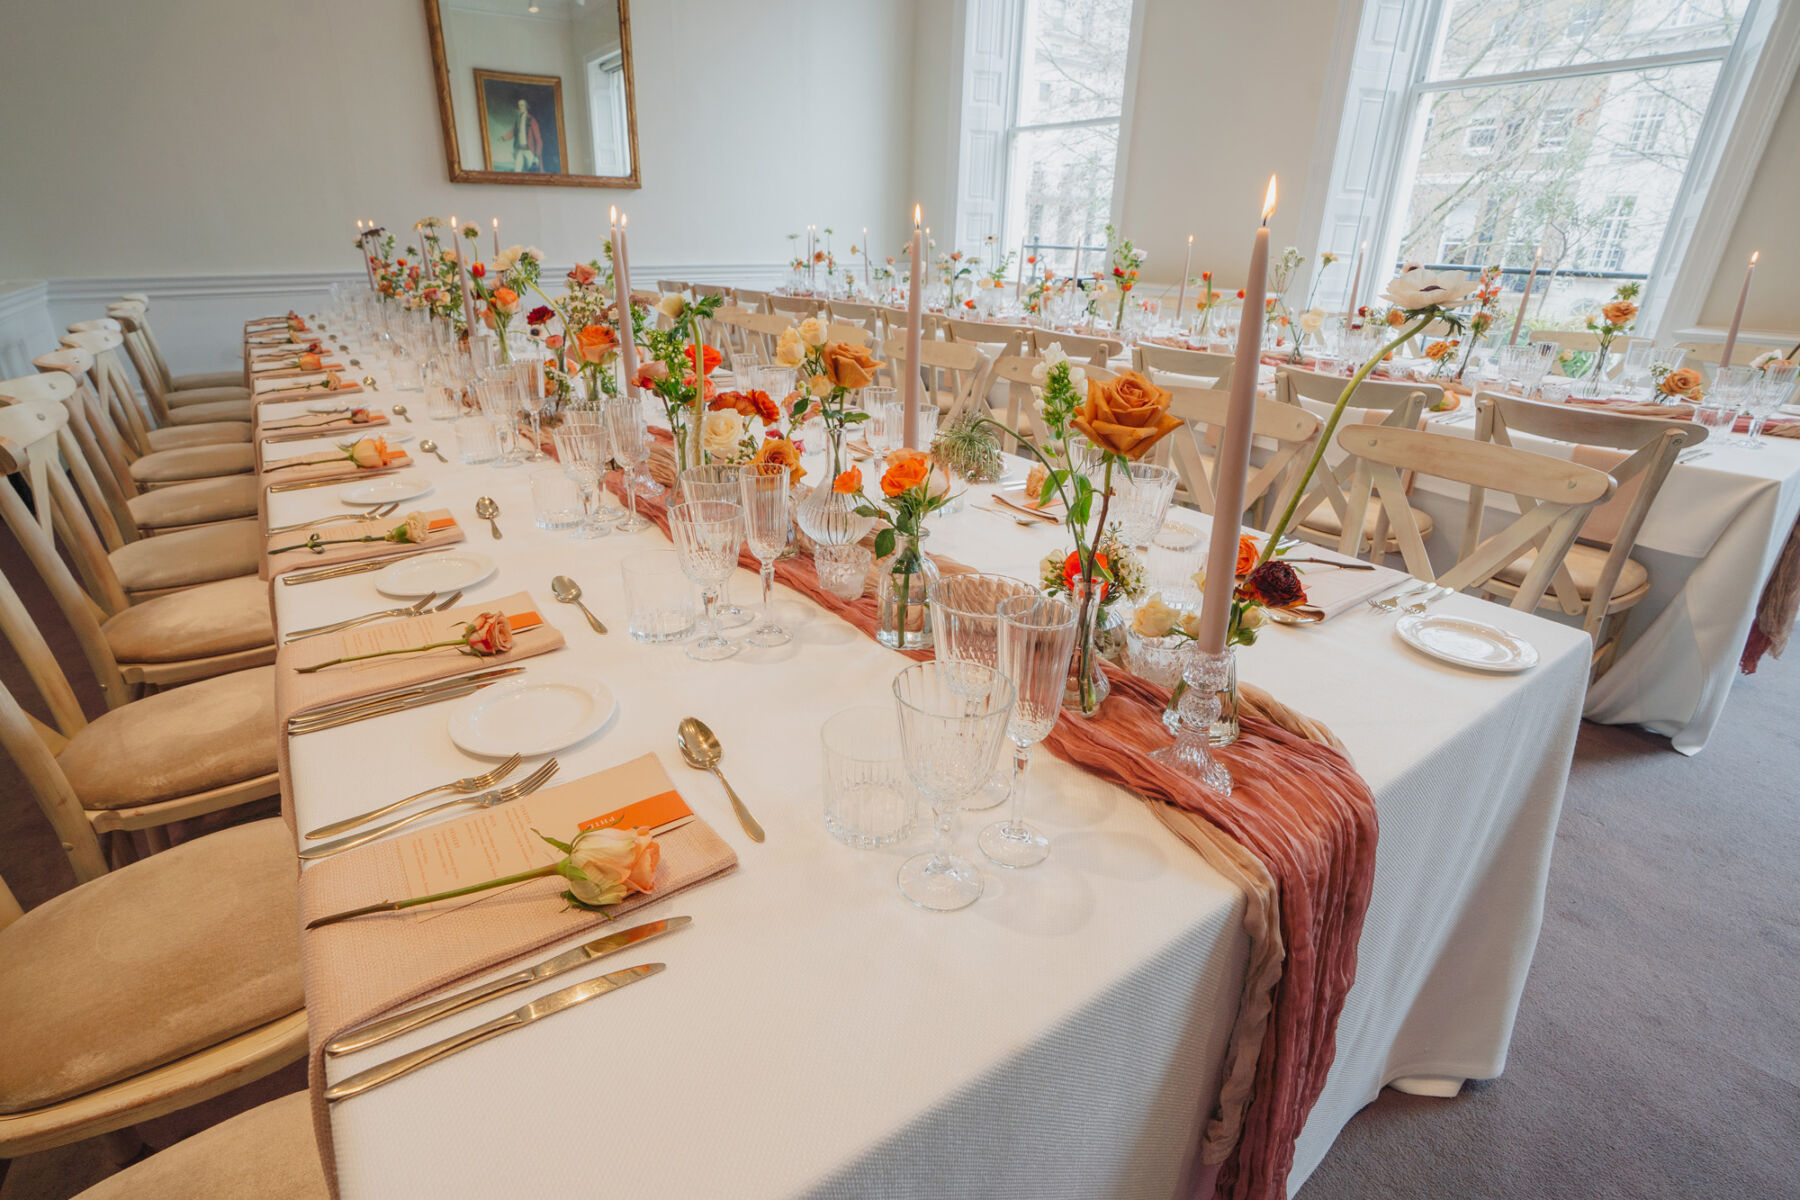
(332, 480)
(350, 568)
(1413, 600)
(373, 514)
(1693, 455)
(412, 610)
(345, 712)
(473, 783)
(487, 799)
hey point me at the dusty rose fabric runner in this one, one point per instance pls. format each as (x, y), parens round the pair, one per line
(1305, 824)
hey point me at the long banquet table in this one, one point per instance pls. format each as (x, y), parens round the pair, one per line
(816, 1035)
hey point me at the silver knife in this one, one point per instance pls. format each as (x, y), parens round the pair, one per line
(406, 691)
(555, 1002)
(375, 1032)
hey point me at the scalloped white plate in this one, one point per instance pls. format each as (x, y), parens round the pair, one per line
(1463, 642)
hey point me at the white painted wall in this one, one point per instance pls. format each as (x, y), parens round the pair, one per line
(1768, 222)
(206, 138)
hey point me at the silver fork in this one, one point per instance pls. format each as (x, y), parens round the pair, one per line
(1392, 603)
(338, 626)
(473, 783)
(511, 791)
(1430, 597)
(450, 602)
(373, 514)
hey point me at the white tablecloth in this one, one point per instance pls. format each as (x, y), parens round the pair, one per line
(816, 1035)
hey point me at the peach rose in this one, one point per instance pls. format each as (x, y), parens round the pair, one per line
(369, 452)
(310, 362)
(1247, 554)
(849, 483)
(907, 469)
(593, 343)
(1685, 381)
(849, 365)
(1127, 416)
(489, 633)
(1619, 312)
(812, 331)
(780, 450)
(611, 864)
(506, 300)
(790, 351)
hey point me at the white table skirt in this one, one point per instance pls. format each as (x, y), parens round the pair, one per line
(816, 1035)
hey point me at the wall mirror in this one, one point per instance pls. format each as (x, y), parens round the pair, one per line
(536, 91)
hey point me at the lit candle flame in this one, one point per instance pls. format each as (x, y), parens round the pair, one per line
(612, 214)
(624, 220)
(1190, 239)
(1754, 255)
(918, 216)
(1269, 201)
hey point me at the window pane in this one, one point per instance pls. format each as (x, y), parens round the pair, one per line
(1074, 62)
(1488, 37)
(1598, 159)
(1061, 193)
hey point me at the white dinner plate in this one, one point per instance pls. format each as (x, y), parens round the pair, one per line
(443, 573)
(1176, 536)
(535, 714)
(327, 406)
(389, 489)
(394, 439)
(1467, 643)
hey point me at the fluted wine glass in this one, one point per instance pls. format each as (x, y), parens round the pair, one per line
(707, 535)
(763, 490)
(953, 718)
(625, 425)
(583, 454)
(965, 628)
(1037, 636)
(717, 481)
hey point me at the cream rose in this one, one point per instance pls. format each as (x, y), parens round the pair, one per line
(1189, 622)
(1312, 320)
(812, 331)
(790, 351)
(507, 259)
(368, 453)
(418, 527)
(1154, 618)
(608, 865)
(1419, 288)
(720, 435)
(819, 385)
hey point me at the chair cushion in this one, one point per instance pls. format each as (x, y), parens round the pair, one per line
(195, 462)
(229, 497)
(209, 379)
(188, 397)
(169, 955)
(228, 617)
(188, 739)
(1585, 564)
(207, 433)
(189, 556)
(268, 1153)
(1324, 519)
(218, 410)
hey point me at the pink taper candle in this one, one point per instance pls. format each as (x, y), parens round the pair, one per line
(1737, 318)
(1530, 279)
(915, 324)
(1187, 268)
(622, 302)
(1234, 450)
(1355, 286)
(462, 276)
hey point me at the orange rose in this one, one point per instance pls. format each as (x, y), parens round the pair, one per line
(1619, 312)
(1247, 554)
(780, 450)
(506, 300)
(1439, 350)
(1126, 416)
(613, 864)
(1683, 382)
(489, 633)
(310, 362)
(907, 469)
(849, 483)
(712, 356)
(1396, 318)
(594, 342)
(370, 452)
(848, 365)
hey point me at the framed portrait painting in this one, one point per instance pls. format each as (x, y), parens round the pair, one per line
(521, 119)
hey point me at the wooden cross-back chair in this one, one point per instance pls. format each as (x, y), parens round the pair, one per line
(1171, 366)
(1000, 339)
(197, 632)
(1097, 350)
(1288, 432)
(147, 990)
(752, 299)
(1568, 341)
(797, 308)
(224, 422)
(865, 316)
(1554, 497)
(724, 293)
(137, 304)
(1598, 580)
(1320, 517)
(671, 287)
(1709, 353)
(190, 498)
(178, 392)
(146, 762)
(196, 407)
(737, 342)
(954, 375)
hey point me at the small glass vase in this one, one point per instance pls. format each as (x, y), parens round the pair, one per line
(902, 610)
(830, 518)
(1088, 686)
(1594, 385)
(1206, 676)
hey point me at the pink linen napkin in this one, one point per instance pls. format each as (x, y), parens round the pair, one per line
(444, 531)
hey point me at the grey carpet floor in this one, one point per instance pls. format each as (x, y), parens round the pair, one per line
(1657, 1053)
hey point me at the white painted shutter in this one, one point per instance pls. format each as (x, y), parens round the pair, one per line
(990, 46)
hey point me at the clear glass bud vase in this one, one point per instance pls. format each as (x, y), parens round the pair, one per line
(902, 610)
(1088, 685)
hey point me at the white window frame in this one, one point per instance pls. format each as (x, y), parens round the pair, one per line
(1755, 73)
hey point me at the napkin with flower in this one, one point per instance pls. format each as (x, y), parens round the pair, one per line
(293, 365)
(346, 459)
(304, 385)
(322, 423)
(358, 540)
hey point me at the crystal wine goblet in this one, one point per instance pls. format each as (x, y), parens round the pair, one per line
(764, 493)
(1037, 635)
(707, 535)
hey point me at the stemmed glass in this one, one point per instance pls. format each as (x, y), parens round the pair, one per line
(966, 629)
(764, 492)
(883, 430)
(1765, 396)
(1730, 390)
(718, 481)
(499, 405)
(953, 717)
(625, 423)
(707, 535)
(1141, 501)
(530, 375)
(1634, 375)
(1037, 635)
(583, 453)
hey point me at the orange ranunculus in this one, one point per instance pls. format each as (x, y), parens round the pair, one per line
(506, 300)
(1683, 382)
(713, 357)
(848, 365)
(1247, 554)
(849, 483)
(1072, 572)
(907, 469)
(780, 450)
(1439, 350)
(1396, 318)
(310, 362)
(594, 342)
(1125, 416)
(752, 402)
(1619, 312)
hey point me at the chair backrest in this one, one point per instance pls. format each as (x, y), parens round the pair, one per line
(795, 306)
(753, 300)
(109, 324)
(846, 312)
(115, 390)
(1011, 339)
(1187, 367)
(1097, 350)
(955, 374)
(1638, 452)
(134, 316)
(1710, 352)
(1554, 497)
(1192, 449)
(1403, 404)
(671, 287)
(95, 429)
(713, 289)
(1017, 374)
(76, 443)
(854, 334)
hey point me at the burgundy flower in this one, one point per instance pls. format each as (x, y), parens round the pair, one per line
(1274, 584)
(539, 315)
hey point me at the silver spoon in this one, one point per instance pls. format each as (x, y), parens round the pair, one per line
(430, 447)
(369, 382)
(569, 592)
(356, 362)
(399, 410)
(703, 752)
(1299, 614)
(486, 507)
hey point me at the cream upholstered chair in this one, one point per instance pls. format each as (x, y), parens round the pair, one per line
(954, 374)
(856, 335)
(1097, 350)
(999, 339)
(268, 1153)
(153, 372)
(1320, 517)
(731, 333)
(1554, 494)
(1171, 366)
(1192, 451)
(196, 408)
(138, 304)
(1598, 581)
(167, 982)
